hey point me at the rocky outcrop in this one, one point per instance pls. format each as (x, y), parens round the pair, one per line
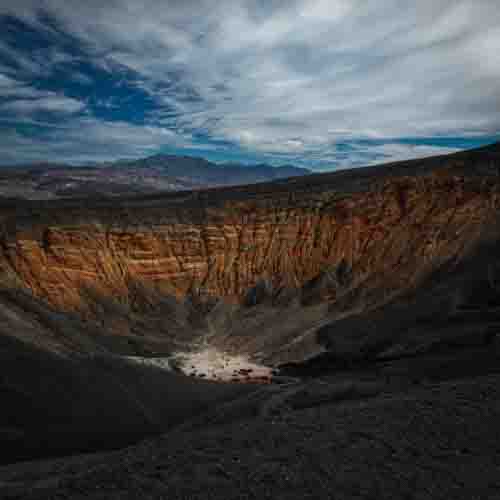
(388, 227)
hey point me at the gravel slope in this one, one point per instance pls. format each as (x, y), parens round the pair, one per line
(431, 441)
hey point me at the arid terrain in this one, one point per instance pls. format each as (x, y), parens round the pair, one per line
(159, 173)
(325, 336)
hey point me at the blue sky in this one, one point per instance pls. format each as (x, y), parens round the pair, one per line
(320, 83)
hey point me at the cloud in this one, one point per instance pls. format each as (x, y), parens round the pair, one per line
(53, 104)
(294, 78)
(81, 78)
(6, 82)
(85, 140)
(22, 99)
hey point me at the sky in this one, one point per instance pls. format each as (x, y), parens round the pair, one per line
(325, 84)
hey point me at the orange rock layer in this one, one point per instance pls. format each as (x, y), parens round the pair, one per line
(223, 242)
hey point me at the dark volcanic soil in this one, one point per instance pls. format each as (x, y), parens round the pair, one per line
(433, 441)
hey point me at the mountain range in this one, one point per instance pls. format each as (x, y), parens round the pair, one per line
(155, 173)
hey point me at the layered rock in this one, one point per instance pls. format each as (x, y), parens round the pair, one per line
(389, 228)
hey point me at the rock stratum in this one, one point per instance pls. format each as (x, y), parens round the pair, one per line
(387, 228)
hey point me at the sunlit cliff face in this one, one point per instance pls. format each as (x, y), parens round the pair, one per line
(389, 235)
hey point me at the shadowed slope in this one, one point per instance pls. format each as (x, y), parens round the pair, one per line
(56, 399)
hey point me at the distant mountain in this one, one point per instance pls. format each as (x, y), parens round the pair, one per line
(203, 172)
(128, 177)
